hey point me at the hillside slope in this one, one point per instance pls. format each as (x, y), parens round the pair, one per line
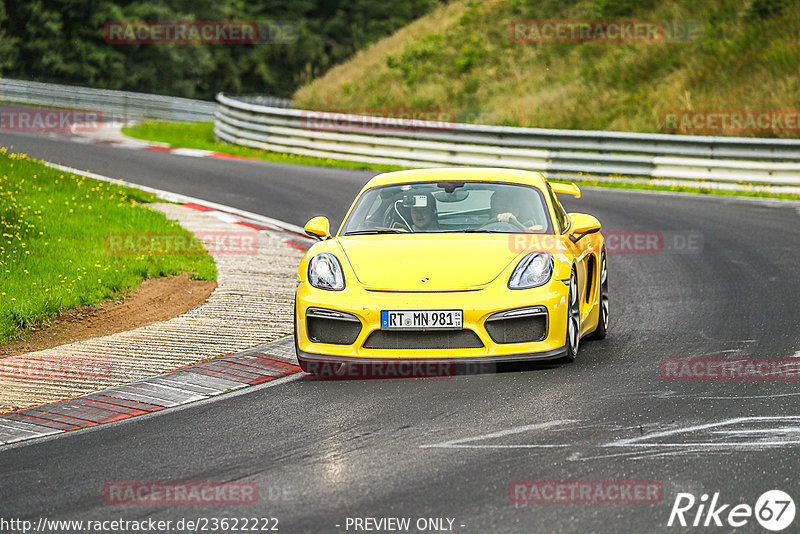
(715, 55)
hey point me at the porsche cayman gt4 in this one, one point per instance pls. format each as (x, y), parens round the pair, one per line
(452, 265)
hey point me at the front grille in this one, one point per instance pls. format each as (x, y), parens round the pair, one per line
(524, 329)
(415, 339)
(335, 328)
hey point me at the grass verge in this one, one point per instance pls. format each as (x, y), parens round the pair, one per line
(201, 135)
(699, 190)
(53, 243)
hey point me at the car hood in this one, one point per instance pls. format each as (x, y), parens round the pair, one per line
(401, 263)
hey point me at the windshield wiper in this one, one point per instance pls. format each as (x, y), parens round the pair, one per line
(376, 231)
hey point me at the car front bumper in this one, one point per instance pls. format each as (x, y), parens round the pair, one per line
(365, 306)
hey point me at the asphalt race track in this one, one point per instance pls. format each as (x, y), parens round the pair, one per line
(325, 451)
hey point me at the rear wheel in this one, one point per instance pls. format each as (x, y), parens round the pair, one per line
(602, 320)
(573, 320)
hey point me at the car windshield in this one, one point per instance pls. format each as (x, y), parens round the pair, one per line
(452, 206)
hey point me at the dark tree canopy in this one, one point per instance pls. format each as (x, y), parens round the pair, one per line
(62, 41)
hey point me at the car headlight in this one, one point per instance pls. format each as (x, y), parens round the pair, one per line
(325, 272)
(534, 270)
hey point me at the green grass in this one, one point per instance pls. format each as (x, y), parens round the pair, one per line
(54, 229)
(740, 55)
(700, 189)
(200, 135)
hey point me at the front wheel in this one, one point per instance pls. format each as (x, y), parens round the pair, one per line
(602, 320)
(573, 320)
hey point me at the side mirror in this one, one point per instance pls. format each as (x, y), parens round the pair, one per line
(582, 224)
(318, 227)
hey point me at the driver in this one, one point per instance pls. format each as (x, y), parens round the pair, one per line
(424, 217)
(506, 209)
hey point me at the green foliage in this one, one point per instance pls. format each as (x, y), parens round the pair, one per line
(62, 41)
(763, 9)
(470, 54)
(615, 9)
(416, 61)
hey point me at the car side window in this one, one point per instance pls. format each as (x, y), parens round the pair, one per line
(561, 215)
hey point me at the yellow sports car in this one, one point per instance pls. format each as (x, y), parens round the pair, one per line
(452, 265)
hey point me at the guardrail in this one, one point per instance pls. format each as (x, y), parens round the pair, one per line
(554, 152)
(115, 105)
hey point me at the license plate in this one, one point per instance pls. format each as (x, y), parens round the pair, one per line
(422, 320)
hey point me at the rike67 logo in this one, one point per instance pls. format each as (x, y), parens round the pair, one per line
(774, 510)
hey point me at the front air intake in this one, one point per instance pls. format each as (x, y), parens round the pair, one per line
(332, 327)
(524, 325)
(415, 339)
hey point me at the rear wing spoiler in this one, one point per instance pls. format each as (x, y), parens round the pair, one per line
(567, 189)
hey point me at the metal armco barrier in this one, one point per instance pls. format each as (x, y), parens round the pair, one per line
(114, 105)
(432, 144)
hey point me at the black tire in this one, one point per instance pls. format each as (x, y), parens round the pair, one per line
(602, 321)
(573, 340)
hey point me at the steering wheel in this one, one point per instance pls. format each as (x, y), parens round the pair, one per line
(389, 219)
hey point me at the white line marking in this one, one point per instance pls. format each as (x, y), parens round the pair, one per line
(636, 442)
(636, 455)
(459, 443)
(191, 152)
(222, 216)
(740, 397)
(779, 430)
(671, 395)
